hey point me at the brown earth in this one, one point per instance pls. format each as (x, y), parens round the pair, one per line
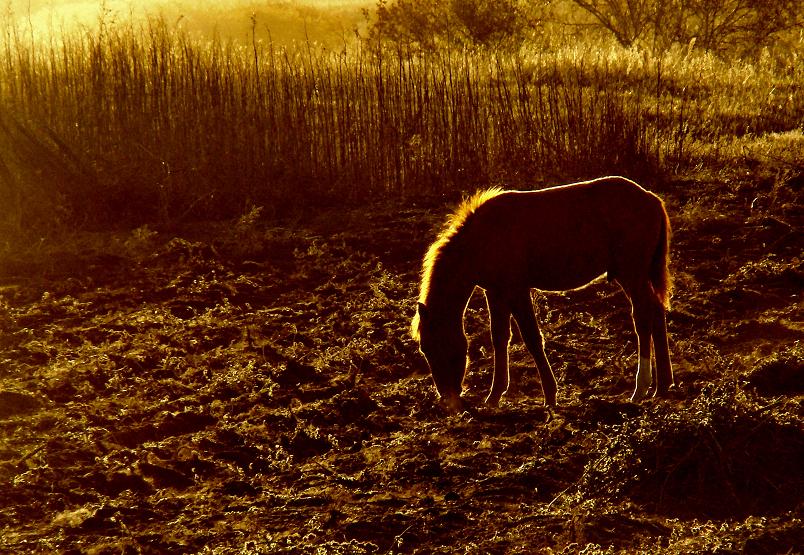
(253, 389)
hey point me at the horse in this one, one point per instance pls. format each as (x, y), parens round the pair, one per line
(555, 239)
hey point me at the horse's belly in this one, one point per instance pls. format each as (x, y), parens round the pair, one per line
(554, 280)
(546, 269)
(558, 271)
(560, 247)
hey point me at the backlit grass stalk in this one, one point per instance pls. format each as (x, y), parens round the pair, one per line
(136, 125)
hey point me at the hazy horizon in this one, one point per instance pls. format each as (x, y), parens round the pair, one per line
(283, 19)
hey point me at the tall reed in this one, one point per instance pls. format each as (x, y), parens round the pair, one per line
(138, 124)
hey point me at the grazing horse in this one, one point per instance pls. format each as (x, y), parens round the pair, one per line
(561, 238)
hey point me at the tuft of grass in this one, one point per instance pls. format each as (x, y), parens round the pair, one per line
(781, 373)
(724, 456)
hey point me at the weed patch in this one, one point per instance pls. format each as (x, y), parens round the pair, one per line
(725, 456)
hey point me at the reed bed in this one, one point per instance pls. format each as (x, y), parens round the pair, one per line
(139, 124)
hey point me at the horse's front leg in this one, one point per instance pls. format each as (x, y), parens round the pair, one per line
(500, 315)
(529, 328)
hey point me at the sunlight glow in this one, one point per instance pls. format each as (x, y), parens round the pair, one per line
(46, 18)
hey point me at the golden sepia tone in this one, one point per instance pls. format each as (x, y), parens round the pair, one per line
(213, 223)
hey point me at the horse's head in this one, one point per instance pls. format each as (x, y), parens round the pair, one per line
(444, 346)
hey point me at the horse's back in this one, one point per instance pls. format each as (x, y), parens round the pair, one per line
(565, 236)
(576, 210)
(605, 196)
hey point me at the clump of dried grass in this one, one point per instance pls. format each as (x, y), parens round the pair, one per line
(781, 373)
(722, 456)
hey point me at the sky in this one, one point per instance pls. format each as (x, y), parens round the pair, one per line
(230, 17)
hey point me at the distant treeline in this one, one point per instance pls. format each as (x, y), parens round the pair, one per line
(741, 27)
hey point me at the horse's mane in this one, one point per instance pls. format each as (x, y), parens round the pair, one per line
(455, 222)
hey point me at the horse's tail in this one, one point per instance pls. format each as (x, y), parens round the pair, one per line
(659, 270)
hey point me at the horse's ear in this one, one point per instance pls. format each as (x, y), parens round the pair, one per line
(424, 312)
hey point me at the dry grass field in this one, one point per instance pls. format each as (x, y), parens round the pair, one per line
(209, 260)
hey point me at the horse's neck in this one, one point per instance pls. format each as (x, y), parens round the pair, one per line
(449, 292)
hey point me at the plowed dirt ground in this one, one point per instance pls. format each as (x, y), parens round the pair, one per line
(252, 388)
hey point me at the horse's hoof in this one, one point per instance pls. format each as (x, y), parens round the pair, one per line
(453, 404)
(664, 391)
(638, 396)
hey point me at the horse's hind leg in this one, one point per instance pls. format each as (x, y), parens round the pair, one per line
(650, 322)
(642, 307)
(500, 315)
(664, 370)
(529, 328)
